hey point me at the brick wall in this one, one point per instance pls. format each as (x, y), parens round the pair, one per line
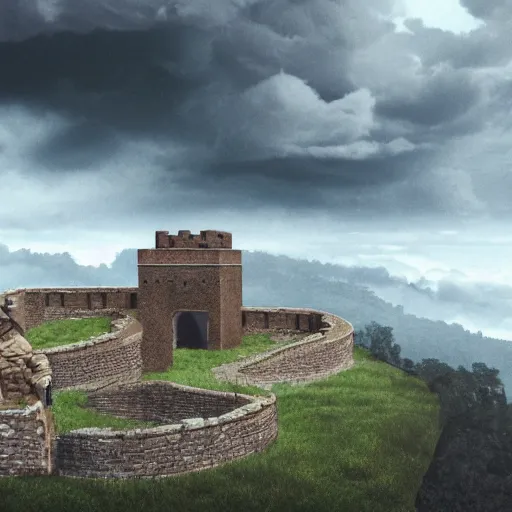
(305, 361)
(108, 359)
(25, 441)
(157, 401)
(326, 352)
(34, 306)
(258, 319)
(191, 445)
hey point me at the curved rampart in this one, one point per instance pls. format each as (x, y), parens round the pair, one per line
(215, 427)
(323, 353)
(109, 359)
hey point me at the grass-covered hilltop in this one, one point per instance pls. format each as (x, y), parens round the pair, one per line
(388, 434)
(360, 440)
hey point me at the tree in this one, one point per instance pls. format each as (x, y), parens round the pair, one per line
(408, 364)
(360, 339)
(382, 343)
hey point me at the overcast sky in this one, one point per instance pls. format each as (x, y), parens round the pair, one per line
(371, 132)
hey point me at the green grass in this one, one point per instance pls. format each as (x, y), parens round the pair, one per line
(65, 332)
(70, 413)
(193, 367)
(359, 441)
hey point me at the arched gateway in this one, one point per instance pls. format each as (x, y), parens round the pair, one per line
(191, 329)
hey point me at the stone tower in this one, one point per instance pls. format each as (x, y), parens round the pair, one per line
(190, 295)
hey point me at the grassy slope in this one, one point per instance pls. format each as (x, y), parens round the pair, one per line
(70, 413)
(64, 332)
(357, 441)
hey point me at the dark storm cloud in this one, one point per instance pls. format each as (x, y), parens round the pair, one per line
(442, 98)
(484, 46)
(487, 10)
(80, 146)
(306, 99)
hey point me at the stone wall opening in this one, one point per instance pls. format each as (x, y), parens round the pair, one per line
(48, 395)
(191, 329)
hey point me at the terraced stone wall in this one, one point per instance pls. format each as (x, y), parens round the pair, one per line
(157, 401)
(25, 441)
(323, 353)
(109, 359)
(190, 444)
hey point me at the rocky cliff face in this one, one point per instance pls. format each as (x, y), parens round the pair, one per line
(471, 470)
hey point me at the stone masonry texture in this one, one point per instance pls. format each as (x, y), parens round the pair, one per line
(106, 360)
(188, 273)
(328, 350)
(34, 306)
(190, 445)
(25, 441)
(199, 428)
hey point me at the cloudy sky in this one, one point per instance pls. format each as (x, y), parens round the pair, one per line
(366, 133)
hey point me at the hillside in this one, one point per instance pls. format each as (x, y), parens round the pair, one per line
(358, 441)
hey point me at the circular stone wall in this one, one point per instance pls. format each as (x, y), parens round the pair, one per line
(200, 429)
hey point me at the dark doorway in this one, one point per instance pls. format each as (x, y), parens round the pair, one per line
(48, 395)
(191, 329)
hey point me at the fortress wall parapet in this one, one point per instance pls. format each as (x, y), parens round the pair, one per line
(109, 359)
(191, 444)
(34, 306)
(261, 319)
(184, 275)
(207, 239)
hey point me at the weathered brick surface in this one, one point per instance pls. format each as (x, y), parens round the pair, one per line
(324, 353)
(160, 402)
(256, 319)
(108, 359)
(185, 239)
(191, 445)
(34, 306)
(25, 441)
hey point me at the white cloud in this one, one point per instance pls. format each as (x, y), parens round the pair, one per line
(443, 14)
(283, 112)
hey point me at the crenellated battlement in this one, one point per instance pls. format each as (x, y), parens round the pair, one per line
(208, 239)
